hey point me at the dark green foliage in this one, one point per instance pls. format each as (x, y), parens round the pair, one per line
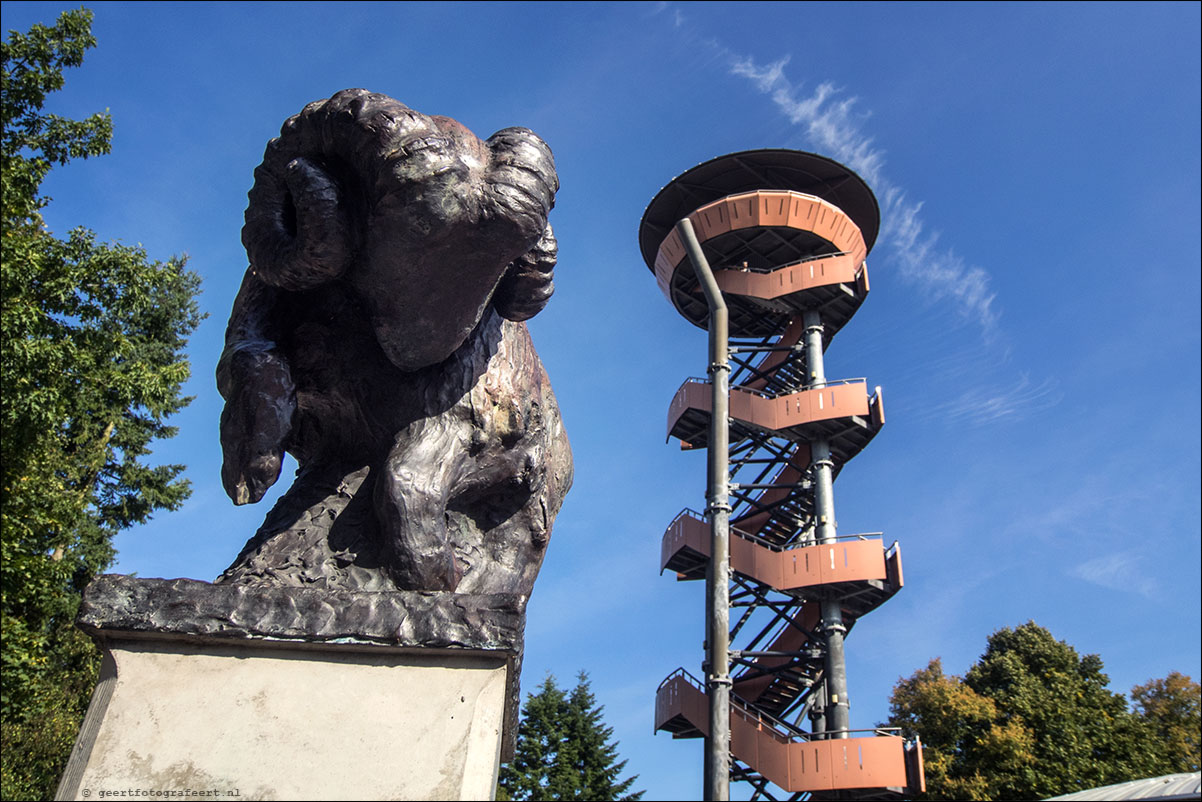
(563, 750)
(91, 366)
(1083, 735)
(1033, 719)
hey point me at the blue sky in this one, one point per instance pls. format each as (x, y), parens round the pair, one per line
(1034, 318)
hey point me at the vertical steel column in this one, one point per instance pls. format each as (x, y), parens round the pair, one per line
(837, 719)
(717, 575)
(818, 709)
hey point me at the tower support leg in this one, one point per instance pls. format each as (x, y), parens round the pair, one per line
(837, 719)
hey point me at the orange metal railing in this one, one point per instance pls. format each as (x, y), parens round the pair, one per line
(851, 558)
(878, 761)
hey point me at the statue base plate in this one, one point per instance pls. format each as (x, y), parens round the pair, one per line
(225, 691)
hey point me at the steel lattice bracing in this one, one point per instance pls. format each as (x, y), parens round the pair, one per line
(786, 234)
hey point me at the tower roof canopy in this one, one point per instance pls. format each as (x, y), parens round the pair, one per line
(749, 170)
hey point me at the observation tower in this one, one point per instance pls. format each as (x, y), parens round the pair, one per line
(766, 250)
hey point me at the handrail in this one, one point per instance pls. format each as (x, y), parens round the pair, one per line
(760, 540)
(766, 394)
(783, 732)
(780, 394)
(700, 517)
(754, 713)
(780, 729)
(801, 544)
(681, 672)
(690, 512)
(765, 270)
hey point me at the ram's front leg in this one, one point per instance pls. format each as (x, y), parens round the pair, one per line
(411, 501)
(255, 379)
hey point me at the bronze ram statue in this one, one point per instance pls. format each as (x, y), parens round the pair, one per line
(378, 338)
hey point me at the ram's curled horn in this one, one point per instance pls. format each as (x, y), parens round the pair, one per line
(522, 181)
(297, 231)
(343, 191)
(301, 226)
(527, 284)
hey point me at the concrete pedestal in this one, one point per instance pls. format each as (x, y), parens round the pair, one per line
(281, 693)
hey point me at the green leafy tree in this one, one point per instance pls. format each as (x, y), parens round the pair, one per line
(91, 366)
(1031, 719)
(1172, 707)
(564, 750)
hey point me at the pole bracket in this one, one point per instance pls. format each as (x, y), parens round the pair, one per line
(833, 627)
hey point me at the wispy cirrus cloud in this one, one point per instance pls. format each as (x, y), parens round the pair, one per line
(1119, 571)
(829, 119)
(991, 403)
(832, 121)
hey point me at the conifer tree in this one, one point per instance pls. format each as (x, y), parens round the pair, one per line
(564, 751)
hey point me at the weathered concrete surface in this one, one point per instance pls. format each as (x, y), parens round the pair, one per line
(297, 693)
(278, 722)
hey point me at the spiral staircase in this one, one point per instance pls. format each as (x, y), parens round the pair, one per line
(787, 234)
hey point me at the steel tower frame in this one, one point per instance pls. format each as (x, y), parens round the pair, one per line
(766, 250)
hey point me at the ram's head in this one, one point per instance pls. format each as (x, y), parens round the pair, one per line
(425, 221)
